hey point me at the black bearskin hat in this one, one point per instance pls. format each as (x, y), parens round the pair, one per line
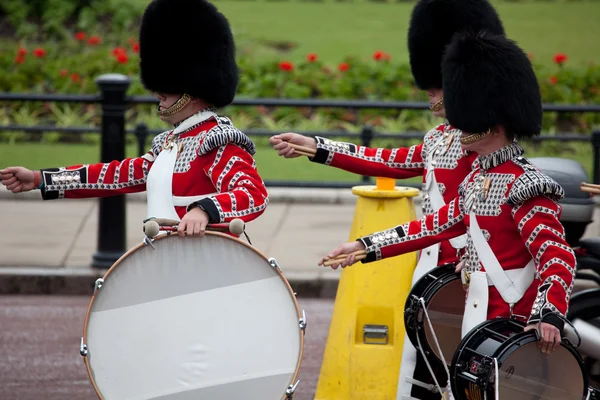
(489, 81)
(186, 46)
(432, 25)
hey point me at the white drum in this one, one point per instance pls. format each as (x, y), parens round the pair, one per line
(193, 318)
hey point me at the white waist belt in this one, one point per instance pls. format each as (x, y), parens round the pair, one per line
(184, 201)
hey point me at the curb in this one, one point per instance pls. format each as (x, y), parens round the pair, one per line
(74, 282)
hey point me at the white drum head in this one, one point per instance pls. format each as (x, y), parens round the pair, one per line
(197, 318)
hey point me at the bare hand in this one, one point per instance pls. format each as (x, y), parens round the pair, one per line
(193, 223)
(17, 179)
(345, 248)
(549, 337)
(281, 143)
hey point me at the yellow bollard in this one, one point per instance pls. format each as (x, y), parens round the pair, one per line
(364, 347)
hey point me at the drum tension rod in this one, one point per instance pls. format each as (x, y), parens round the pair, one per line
(98, 284)
(274, 264)
(83, 350)
(148, 242)
(289, 393)
(303, 322)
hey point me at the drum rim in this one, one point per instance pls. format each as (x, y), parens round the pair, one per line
(169, 234)
(427, 296)
(524, 337)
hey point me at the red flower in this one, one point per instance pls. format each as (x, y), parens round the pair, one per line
(311, 57)
(118, 50)
(75, 77)
(560, 58)
(64, 72)
(94, 40)
(553, 80)
(286, 66)
(343, 67)
(131, 40)
(20, 59)
(378, 55)
(22, 51)
(39, 52)
(135, 47)
(122, 58)
(80, 36)
(531, 56)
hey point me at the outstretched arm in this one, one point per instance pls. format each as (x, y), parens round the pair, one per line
(442, 225)
(397, 163)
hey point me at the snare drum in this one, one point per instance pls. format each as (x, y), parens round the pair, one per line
(524, 372)
(193, 318)
(444, 300)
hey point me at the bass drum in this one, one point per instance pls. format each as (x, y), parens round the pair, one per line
(193, 318)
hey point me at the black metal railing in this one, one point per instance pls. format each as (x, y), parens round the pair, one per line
(114, 101)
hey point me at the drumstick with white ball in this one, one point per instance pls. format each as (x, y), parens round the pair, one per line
(358, 255)
(153, 226)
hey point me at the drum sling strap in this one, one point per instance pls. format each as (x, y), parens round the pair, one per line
(159, 184)
(510, 284)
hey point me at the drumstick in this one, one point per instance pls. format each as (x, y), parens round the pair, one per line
(302, 150)
(153, 226)
(335, 261)
(359, 255)
(593, 185)
(303, 153)
(343, 256)
(589, 188)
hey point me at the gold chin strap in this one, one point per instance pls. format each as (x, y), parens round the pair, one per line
(474, 137)
(437, 106)
(175, 107)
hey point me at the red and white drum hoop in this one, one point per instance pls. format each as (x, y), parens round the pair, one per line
(193, 318)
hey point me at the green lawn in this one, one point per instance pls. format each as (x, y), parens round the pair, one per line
(270, 165)
(334, 30)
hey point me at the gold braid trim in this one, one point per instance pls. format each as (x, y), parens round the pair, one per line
(175, 107)
(437, 106)
(474, 137)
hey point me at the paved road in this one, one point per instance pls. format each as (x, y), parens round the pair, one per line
(39, 347)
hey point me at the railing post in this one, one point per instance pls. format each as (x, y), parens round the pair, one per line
(596, 147)
(366, 135)
(111, 213)
(141, 133)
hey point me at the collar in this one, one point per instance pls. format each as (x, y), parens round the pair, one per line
(195, 119)
(500, 156)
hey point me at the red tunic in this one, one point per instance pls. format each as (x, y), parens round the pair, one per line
(440, 145)
(215, 158)
(520, 220)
